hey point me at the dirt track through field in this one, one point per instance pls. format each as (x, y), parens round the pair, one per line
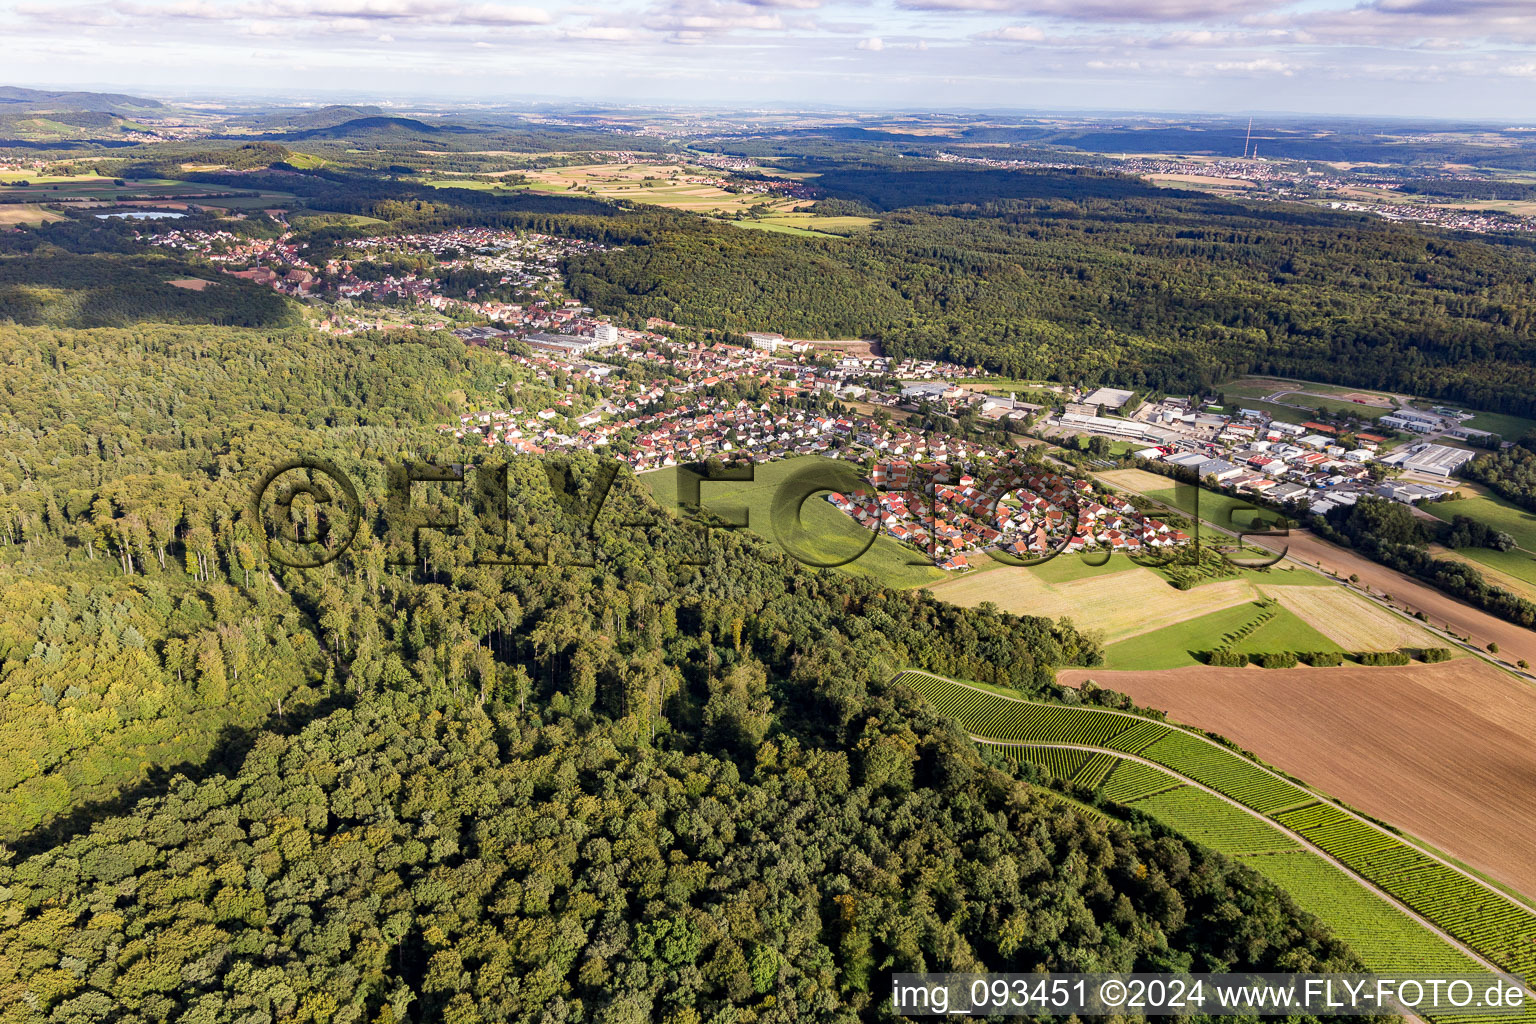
(1351, 621)
(1442, 610)
(1443, 751)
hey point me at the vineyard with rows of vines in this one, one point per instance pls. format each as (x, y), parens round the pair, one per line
(1473, 912)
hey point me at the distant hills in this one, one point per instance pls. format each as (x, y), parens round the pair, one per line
(42, 116)
(50, 101)
(380, 128)
(310, 117)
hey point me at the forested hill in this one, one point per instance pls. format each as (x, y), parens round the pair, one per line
(1116, 283)
(626, 790)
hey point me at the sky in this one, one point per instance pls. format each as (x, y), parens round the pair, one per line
(1463, 59)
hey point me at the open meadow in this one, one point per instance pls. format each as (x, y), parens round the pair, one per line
(1350, 621)
(92, 191)
(16, 214)
(1249, 628)
(1494, 511)
(1515, 570)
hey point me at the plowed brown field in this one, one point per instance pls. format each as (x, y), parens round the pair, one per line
(1443, 751)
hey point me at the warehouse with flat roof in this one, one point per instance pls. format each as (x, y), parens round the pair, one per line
(1434, 459)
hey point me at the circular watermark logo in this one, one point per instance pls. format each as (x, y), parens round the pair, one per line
(309, 511)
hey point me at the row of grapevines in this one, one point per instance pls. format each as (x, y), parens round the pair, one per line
(1502, 931)
(983, 713)
(1135, 739)
(1225, 771)
(1132, 780)
(1095, 770)
(1214, 822)
(1387, 939)
(1473, 912)
(1060, 762)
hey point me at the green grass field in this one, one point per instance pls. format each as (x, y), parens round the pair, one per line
(487, 186)
(1494, 511)
(14, 214)
(1176, 646)
(350, 220)
(1246, 394)
(1251, 388)
(668, 191)
(84, 187)
(828, 534)
(1223, 510)
(1510, 428)
(1359, 410)
(1068, 567)
(1276, 575)
(782, 229)
(797, 222)
(1519, 563)
(1211, 506)
(100, 189)
(1283, 413)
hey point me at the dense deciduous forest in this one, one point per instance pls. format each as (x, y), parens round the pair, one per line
(64, 289)
(639, 789)
(1157, 291)
(1080, 276)
(1511, 472)
(139, 627)
(662, 776)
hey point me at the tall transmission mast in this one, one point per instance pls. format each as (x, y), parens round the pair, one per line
(1248, 138)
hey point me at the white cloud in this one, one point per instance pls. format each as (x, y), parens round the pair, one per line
(695, 20)
(872, 43)
(1262, 65)
(1014, 34)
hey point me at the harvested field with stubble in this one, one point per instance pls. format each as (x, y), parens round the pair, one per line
(1137, 480)
(1443, 751)
(1122, 604)
(1352, 622)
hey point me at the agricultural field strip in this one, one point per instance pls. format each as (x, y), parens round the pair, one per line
(1300, 840)
(1400, 615)
(980, 697)
(1162, 795)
